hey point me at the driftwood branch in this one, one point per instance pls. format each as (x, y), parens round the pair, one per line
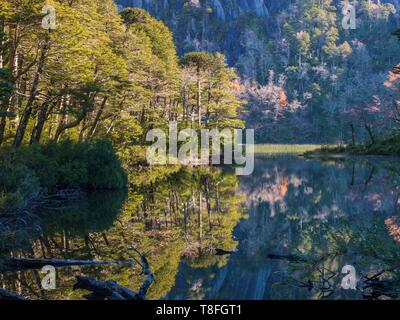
(110, 290)
(28, 263)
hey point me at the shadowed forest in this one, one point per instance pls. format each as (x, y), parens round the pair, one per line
(78, 98)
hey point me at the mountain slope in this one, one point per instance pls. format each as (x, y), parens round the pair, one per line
(317, 79)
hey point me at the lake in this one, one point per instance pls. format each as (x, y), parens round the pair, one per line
(284, 232)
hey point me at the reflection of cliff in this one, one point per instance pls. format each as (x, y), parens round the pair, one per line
(305, 208)
(274, 192)
(317, 194)
(179, 217)
(308, 190)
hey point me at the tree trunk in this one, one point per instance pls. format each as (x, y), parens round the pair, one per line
(27, 263)
(3, 104)
(62, 120)
(97, 118)
(353, 135)
(199, 95)
(32, 96)
(64, 126)
(368, 128)
(41, 119)
(2, 33)
(200, 217)
(3, 123)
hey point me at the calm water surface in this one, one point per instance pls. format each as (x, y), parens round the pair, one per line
(284, 232)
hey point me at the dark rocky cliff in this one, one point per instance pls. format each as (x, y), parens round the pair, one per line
(221, 25)
(212, 25)
(298, 47)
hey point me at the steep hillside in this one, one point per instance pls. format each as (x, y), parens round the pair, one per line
(215, 25)
(222, 25)
(317, 79)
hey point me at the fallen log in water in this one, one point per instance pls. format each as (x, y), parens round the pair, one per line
(8, 295)
(147, 271)
(110, 290)
(29, 263)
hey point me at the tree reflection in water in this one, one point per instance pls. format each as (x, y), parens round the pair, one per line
(172, 214)
(290, 228)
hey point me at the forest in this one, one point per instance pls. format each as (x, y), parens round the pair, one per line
(78, 99)
(104, 76)
(306, 78)
(80, 90)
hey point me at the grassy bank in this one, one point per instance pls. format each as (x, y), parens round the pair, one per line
(33, 172)
(388, 146)
(283, 149)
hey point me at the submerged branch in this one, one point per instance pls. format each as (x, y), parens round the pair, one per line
(110, 290)
(27, 263)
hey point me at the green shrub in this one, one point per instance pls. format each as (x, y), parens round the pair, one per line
(104, 167)
(30, 171)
